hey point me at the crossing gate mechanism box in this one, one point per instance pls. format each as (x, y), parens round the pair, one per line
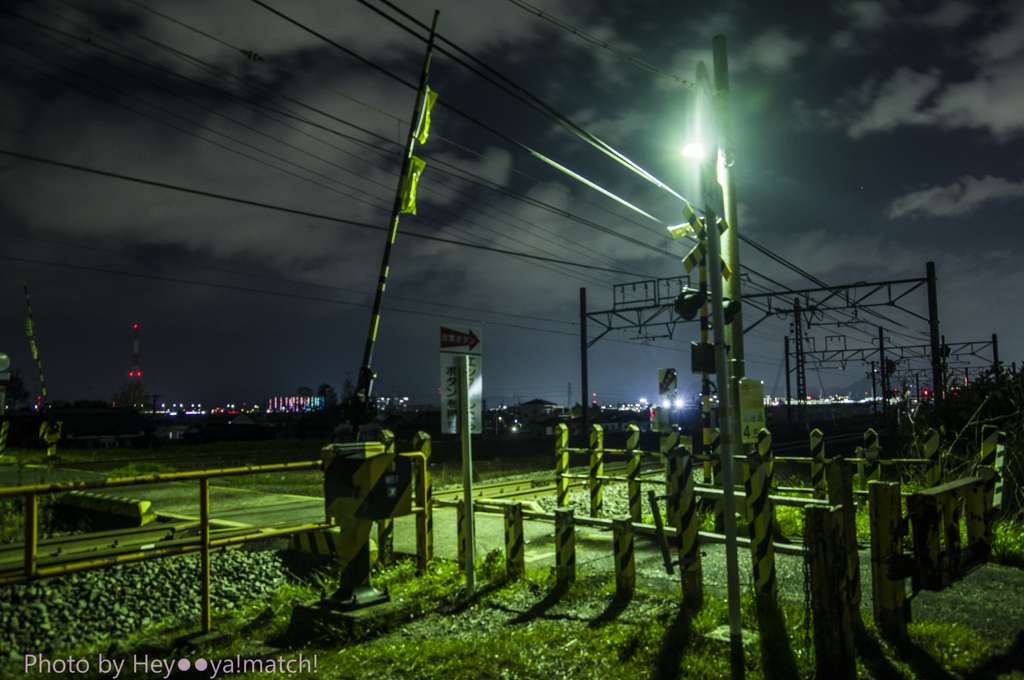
(363, 484)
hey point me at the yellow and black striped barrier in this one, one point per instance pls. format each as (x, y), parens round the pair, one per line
(425, 519)
(515, 554)
(633, 473)
(818, 463)
(319, 542)
(929, 449)
(565, 547)
(625, 562)
(3, 436)
(761, 517)
(561, 464)
(596, 470)
(125, 512)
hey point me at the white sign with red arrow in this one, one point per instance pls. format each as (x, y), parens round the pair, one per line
(456, 342)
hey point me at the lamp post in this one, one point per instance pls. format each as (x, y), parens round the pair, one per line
(731, 440)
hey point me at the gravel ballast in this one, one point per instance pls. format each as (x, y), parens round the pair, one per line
(85, 608)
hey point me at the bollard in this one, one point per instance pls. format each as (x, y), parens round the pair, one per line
(888, 594)
(761, 517)
(461, 527)
(687, 524)
(873, 470)
(3, 436)
(834, 648)
(386, 527)
(515, 558)
(565, 547)
(930, 452)
(385, 541)
(839, 478)
(425, 519)
(633, 474)
(561, 463)
(625, 564)
(674, 478)
(818, 465)
(978, 519)
(993, 447)
(717, 480)
(596, 470)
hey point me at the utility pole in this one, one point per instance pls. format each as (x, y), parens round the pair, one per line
(789, 396)
(938, 375)
(885, 376)
(874, 395)
(801, 375)
(583, 365)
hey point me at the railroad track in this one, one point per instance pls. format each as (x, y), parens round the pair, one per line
(210, 461)
(55, 552)
(533, 487)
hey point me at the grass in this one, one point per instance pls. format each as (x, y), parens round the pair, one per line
(528, 629)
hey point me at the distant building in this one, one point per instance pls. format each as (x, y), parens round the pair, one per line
(537, 410)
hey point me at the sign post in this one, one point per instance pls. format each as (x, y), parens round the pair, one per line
(462, 405)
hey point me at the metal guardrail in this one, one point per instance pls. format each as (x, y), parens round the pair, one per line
(203, 544)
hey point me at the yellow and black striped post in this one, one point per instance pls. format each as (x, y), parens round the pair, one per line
(717, 480)
(993, 447)
(978, 519)
(596, 470)
(872, 469)
(683, 501)
(889, 597)
(633, 473)
(386, 526)
(461, 526)
(425, 519)
(668, 440)
(761, 517)
(840, 492)
(515, 556)
(561, 463)
(818, 463)
(3, 436)
(930, 452)
(565, 547)
(674, 477)
(625, 563)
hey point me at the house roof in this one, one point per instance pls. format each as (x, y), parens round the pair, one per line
(539, 402)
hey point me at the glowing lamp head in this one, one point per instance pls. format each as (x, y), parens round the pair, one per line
(695, 150)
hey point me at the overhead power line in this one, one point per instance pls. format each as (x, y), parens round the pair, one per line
(303, 213)
(635, 61)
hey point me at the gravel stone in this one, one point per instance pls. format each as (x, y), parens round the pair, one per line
(84, 607)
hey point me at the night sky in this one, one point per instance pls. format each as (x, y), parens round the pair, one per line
(871, 137)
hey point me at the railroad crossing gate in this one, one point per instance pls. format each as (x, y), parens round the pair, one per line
(362, 483)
